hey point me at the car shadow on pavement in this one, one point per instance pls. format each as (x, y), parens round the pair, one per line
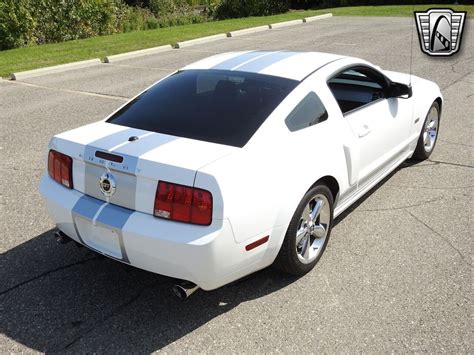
(406, 164)
(57, 298)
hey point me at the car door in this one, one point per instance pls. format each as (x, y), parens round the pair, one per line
(380, 124)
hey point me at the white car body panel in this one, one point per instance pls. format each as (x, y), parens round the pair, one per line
(255, 189)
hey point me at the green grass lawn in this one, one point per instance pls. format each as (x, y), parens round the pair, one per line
(21, 59)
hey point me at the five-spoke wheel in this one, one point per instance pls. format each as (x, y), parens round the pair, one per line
(312, 229)
(429, 133)
(308, 232)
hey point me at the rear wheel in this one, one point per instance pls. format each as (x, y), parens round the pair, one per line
(308, 232)
(429, 134)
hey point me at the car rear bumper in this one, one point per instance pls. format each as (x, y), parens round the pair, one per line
(205, 255)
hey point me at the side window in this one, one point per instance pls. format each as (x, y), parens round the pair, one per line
(356, 87)
(308, 112)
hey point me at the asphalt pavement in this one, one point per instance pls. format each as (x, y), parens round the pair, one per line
(396, 276)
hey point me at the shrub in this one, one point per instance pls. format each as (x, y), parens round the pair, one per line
(244, 8)
(136, 19)
(174, 13)
(24, 22)
(180, 19)
(16, 24)
(59, 20)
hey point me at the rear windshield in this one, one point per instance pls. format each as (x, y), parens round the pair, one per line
(218, 106)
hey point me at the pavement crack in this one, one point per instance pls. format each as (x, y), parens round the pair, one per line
(168, 70)
(455, 72)
(113, 313)
(412, 166)
(432, 188)
(15, 168)
(453, 83)
(48, 272)
(87, 93)
(459, 61)
(453, 164)
(463, 144)
(400, 207)
(439, 235)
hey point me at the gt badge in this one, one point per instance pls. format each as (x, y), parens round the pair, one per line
(440, 31)
(107, 184)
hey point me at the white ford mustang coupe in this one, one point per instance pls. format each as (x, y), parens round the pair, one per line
(236, 162)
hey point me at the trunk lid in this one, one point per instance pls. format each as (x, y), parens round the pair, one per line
(136, 165)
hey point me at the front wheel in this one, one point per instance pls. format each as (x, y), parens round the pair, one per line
(308, 232)
(429, 134)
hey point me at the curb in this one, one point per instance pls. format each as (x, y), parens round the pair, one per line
(207, 39)
(139, 53)
(316, 18)
(54, 69)
(286, 24)
(148, 51)
(247, 31)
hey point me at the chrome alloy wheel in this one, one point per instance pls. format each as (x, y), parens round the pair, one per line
(430, 131)
(313, 228)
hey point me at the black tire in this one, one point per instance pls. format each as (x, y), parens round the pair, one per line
(421, 153)
(288, 259)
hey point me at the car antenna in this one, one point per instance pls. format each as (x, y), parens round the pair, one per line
(411, 43)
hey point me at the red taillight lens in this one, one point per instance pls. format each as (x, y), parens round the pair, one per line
(183, 203)
(60, 168)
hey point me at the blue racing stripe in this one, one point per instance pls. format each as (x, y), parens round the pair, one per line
(259, 64)
(238, 60)
(87, 207)
(114, 216)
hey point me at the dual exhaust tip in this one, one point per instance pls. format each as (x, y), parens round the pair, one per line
(182, 289)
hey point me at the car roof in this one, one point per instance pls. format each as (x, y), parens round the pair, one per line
(285, 64)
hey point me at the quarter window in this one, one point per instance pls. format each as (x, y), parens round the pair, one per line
(308, 112)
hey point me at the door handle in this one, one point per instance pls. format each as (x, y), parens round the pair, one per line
(365, 130)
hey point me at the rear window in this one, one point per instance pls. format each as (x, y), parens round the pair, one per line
(218, 106)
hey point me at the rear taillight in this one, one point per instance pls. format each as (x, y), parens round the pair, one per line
(60, 168)
(183, 203)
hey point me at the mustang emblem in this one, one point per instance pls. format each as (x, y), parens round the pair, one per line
(107, 184)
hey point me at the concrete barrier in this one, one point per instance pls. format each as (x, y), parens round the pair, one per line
(286, 24)
(139, 53)
(154, 50)
(201, 40)
(55, 69)
(316, 18)
(248, 31)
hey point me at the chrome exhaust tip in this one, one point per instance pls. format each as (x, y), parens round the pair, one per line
(184, 289)
(61, 238)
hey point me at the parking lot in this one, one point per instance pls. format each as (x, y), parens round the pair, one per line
(396, 276)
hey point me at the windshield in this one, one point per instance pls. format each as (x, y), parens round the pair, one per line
(218, 106)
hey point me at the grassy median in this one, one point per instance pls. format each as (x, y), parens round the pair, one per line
(34, 57)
